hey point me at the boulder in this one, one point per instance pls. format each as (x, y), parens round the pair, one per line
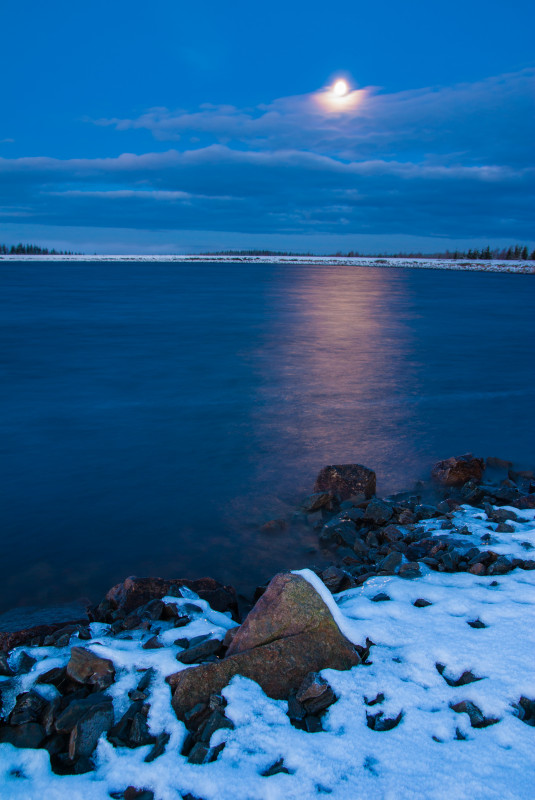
(346, 480)
(315, 501)
(86, 667)
(35, 635)
(378, 512)
(88, 730)
(457, 470)
(289, 633)
(135, 592)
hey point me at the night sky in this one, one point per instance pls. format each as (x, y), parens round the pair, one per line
(178, 126)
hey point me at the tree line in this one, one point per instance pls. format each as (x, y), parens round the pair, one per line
(516, 252)
(33, 250)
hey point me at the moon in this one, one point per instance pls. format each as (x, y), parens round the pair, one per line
(340, 87)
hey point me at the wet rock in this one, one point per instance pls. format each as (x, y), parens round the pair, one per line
(316, 501)
(29, 734)
(382, 597)
(457, 470)
(315, 694)
(378, 512)
(503, 527)
(86, 667)
(477, 718)
(346, 480)
(421, 603)
(339, 531)
(423, 511)
(410, 571)
(289, 633)
(87, 731)
(476, 623)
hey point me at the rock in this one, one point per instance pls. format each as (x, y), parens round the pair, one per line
(289, 633)
(423, 511)
(409, 571)
(276, 769)
(152, 644)
(201, 754)
(335, 579)
(378, 722)
(500, 566)
(421, 603)
(5, 669)
(29, 734)
(34, 635)
(215, 722)
(390, 563)
(342, 532)
(466, 677)
(315, 694)
(503, 527)
(199, 652)
(456, 471)
(382, 597)
(525, 710)
(528, 501)
(477, 719)
(158, 748)
(391, 534)
(476, 623)
(316, 501)
(28, 708)
(378, 511)
(135, 592)
(346, 480)
(133, 793)
(77, 708)
(88, 730)
(25, 663)
(86, 667)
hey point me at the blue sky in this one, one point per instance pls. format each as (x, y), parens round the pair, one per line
(180, 127)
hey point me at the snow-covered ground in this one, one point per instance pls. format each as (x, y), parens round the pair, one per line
(433, 752)
(525, 267)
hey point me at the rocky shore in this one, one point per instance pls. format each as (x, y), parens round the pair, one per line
(420, 628)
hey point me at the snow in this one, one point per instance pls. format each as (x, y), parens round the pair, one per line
(422, 757)
(524, 267)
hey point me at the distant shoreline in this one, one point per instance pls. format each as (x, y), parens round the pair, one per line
(519, 267)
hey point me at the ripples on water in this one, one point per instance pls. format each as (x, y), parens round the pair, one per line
(155, 415)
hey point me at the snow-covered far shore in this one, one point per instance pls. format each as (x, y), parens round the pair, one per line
(443, 709)
(523, 267)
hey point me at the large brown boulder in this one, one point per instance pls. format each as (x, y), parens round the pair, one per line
(135, 592)
(87, 668)
(457, 470)
(289, 633)
(346, 480)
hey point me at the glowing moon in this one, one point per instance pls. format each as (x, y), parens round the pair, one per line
(340, 88)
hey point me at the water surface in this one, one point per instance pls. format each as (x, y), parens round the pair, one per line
(154, 415)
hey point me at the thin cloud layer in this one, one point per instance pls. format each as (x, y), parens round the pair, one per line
(455, 161)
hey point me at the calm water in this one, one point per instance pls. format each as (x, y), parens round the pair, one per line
(153, 416)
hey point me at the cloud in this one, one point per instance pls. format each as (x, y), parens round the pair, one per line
(450, 161)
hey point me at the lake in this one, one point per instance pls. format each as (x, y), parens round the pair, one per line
(155, 415)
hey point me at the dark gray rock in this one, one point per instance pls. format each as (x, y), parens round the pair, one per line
(335, 579)
(158, 748)
(198, 653)
(382, 597)
(390, 563)
(378, 512)
(276, 769)
(409, 571)
(29, 707)
(78, 708)
(5, 669)
(88, 730)
(421, 603)
(378, 722)
(29, 734)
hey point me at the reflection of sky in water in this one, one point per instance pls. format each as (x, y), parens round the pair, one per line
(156, 415)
